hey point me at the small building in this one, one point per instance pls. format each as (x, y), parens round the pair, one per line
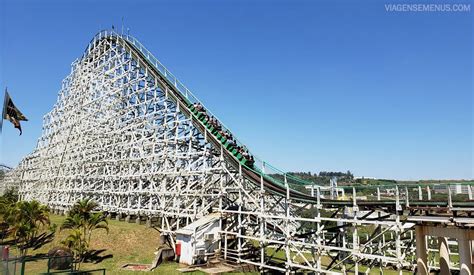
(456, 188)
(199, 240)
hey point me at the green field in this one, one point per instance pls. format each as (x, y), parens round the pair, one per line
(127, 242)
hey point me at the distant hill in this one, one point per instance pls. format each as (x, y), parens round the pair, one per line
(3, 167)
(3, 170)
(347, 178)
(324, 177)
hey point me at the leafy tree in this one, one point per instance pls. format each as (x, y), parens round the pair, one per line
(350, 175)
(82, 221)
(10, 195)
(6, 202)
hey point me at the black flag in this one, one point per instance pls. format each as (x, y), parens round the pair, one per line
(11, 113)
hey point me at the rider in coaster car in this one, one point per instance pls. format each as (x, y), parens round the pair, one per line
(251, 161)
(232, 142)
(199, 107)
(218, 126)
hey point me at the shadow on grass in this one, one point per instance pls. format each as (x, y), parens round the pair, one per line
(94, 256)
(35, 243)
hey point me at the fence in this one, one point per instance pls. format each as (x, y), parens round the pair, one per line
(42, 265)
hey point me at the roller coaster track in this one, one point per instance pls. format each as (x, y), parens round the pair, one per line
(126, 133)
(254, 175)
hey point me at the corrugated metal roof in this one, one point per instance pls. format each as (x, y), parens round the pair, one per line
(189, 229)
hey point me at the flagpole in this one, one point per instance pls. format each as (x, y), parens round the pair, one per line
(1, 124)
(4, 107)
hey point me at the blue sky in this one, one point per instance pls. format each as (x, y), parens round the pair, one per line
(307, 85)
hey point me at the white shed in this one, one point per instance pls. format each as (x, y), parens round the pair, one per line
(198, 240)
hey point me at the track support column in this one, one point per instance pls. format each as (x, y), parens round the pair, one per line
(421, 255)
(444, 263)
(465, 254)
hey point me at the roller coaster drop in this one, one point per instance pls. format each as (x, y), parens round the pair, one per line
(126, 133)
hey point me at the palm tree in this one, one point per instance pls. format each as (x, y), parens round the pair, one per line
(73, 221)
(83, 208)
(27, 219)
(97, 221)
(75, 243)
(82, 221)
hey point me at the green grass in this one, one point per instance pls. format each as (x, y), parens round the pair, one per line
(127, 242)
